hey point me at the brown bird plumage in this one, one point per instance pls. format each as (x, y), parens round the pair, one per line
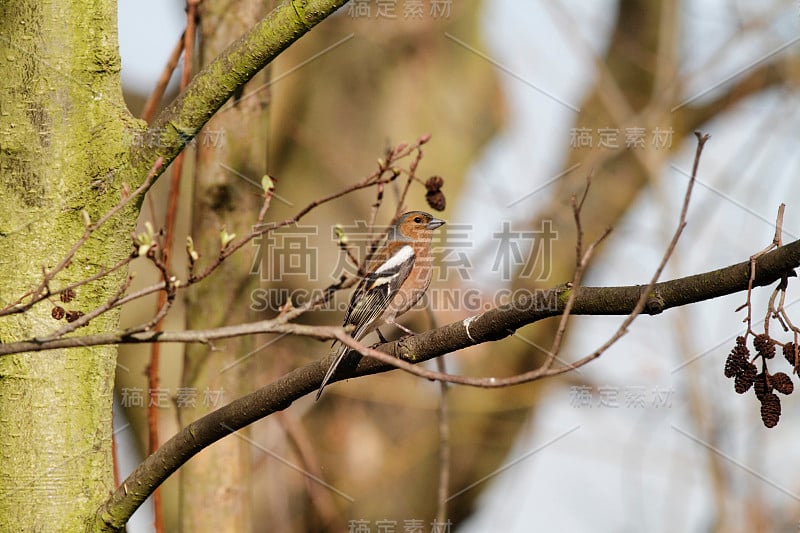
(397, 277)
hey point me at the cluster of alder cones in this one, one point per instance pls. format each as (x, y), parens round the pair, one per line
(59, 312)
(435, 196)
(746, 375)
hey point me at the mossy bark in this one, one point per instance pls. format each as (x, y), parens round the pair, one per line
(64, 134)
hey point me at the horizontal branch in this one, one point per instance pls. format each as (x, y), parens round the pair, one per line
(492, 325)
(204, 336)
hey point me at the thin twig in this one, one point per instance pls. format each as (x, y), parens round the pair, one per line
(165, 301)
(544, 371)
(167, 287)
(167, 296)
(646, 293)
(43, 290)
(492, 325)
(83, 320)
(161, 86)
(581, 262)
(94, 277)
(777, 241)
(444, 431)
(373, 179)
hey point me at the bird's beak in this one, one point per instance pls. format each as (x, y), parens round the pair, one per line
(435, 223)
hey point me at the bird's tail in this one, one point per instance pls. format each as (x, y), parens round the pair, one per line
(340, 350)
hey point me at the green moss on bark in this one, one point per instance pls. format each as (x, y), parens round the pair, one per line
(63, 149)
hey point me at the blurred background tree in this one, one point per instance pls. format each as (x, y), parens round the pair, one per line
(379, 73)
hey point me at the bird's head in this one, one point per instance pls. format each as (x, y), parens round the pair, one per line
(415, 226)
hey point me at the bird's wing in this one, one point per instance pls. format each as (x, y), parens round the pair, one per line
(376, 290)
(371, 298)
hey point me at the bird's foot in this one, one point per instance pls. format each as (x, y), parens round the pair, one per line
(405, 329)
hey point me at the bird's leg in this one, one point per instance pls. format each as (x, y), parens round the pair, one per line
(380, 336)
(402, 327)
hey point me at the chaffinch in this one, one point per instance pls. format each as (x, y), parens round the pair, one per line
(397, 277)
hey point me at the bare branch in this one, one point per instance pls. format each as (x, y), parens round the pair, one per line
(161, 86)
(777, 241)
(43, 290)
(526, 307)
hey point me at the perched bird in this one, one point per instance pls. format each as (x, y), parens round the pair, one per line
(397, 277)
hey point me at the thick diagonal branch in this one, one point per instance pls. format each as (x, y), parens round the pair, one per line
(494, 324)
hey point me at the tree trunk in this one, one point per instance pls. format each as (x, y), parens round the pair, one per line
(230, 163)
(64, 142)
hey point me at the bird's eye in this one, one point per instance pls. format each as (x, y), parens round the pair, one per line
(417, 220)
